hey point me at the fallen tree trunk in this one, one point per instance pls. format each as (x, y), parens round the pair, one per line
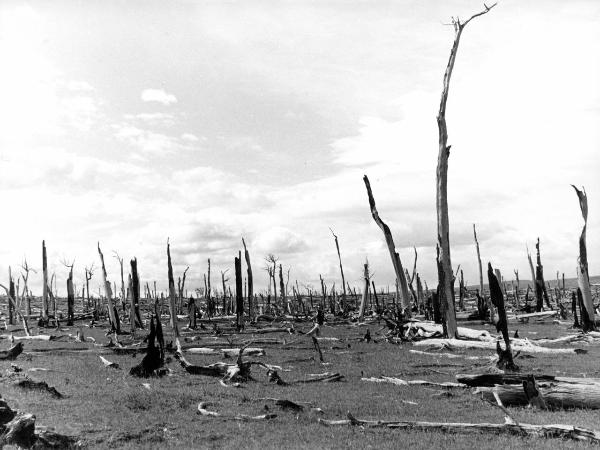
(522, 429)
(12, 352)
(522, 345)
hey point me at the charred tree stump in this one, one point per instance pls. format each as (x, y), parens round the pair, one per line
(505, 356)
(154, 358)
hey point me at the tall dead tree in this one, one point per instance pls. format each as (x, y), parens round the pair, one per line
(239, 298)
(114, 322)
(11, 295)
(505, 356)
(172, 296)
(223, 280)
(443, 222)
(398, 269)
(250, 281)
(516, 293)
(337, 246)
(45, 284)
(284, 303)
(583, 278)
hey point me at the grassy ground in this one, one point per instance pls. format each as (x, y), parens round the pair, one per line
(106, 408)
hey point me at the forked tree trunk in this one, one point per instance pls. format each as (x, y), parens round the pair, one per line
(398, 269)
(583, 279)
(446, 290)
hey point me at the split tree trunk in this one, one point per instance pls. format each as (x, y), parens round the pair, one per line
(583, 279)
(239, 297)
(172, 299)
(135, 294)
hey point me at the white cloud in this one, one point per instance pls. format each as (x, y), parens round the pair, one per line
(158, 95)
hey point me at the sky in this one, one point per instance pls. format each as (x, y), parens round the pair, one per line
(130, 122)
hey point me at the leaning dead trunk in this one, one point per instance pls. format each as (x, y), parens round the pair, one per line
(583, 279)
(506, 356)
(398, 269)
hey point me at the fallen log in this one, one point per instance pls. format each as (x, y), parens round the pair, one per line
(463, 333)
(557, 392)
(38, 385)
(521, 345)
(241, 417)
(250, 351)
(522, 429)
(39, 337)
(400, 382)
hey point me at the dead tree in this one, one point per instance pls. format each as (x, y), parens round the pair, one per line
(282, 292)
(70, 294)
(583, 279)
(26, 293)
(272, 260)
(505, 356)
(443, 223)
(365, 295)
(114, 322)
(239, 298)
(398, 269)
(89, 273)
(11, 295)
(45, 284)
(116, 255)
(337, 246)
(136, 317)
(223, 280)
(516, 292)
(250, 281)
(11, 299)
(172, 296)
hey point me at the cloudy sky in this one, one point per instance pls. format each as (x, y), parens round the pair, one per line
(130, 122)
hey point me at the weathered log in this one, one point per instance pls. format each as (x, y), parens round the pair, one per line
(400, 382)
(521, 429)
(522, 345)
(241, 417)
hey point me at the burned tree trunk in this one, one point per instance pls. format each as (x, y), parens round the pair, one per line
(282, 292)
(490, 307)
(583, 279)
(250, 281)
(239, 297)
(11, 295)
(443, 223)
(154, 358)
(45, 284)
(398, 269)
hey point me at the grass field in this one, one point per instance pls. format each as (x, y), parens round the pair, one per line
(106, 408)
